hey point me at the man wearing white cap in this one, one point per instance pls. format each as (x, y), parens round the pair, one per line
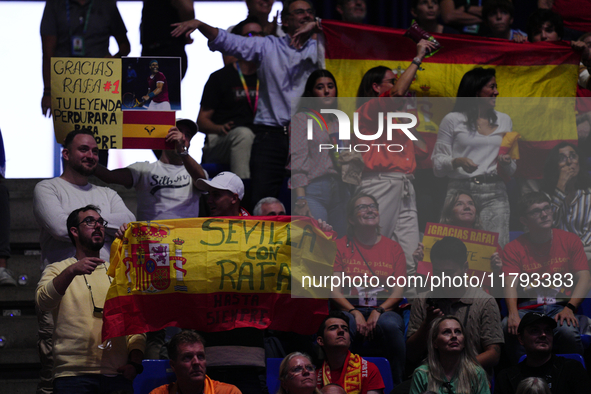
(225, 191)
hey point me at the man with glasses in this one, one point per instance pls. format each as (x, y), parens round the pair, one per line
(545, 271)
(536, 334)
(476, 309)
(74, 290)
(340, 366)
(187, 360)
(53, 200)
(229, 102)
(284, 65)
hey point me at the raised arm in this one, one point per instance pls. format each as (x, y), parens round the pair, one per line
(121, 176)
(48, 44)
(193, 168)
(187, 27)
(403, 83)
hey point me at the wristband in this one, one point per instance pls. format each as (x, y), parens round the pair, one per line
(139, 368)
(351, 310)
(151, 95)
(417, 61)
(185, 151)
(571, 307)
(380, 310)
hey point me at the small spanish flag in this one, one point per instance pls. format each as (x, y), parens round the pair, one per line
(147, 129)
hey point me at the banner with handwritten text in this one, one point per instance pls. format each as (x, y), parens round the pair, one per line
(215, 274)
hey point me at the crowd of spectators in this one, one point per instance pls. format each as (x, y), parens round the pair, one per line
(455, 340)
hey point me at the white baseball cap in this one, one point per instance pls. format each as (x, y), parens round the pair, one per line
(224, 181)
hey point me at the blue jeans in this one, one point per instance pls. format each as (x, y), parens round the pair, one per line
(92, 384)
(389, 337)
(327, 199)
(567, 339)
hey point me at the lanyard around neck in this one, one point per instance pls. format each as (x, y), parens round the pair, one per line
(256, 99)
(86, 20)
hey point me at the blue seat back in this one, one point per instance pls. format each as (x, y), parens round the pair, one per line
(156, 373)
(572, 356)
(384, 367)
(273, 374)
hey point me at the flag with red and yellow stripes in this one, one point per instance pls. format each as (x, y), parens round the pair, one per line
(147, 129)
(529, 71)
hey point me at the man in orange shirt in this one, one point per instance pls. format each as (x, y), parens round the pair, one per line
(187, 359)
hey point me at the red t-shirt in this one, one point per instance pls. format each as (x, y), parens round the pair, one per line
(153, 81)
(386, 258)
(563, 254)
(385, 161)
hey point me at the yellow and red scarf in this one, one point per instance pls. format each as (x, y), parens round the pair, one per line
(354, 369)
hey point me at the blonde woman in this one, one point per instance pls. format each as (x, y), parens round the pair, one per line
(451, 366)
(297, 375)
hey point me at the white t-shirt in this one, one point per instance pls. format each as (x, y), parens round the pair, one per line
(164, 191)
(455, 140)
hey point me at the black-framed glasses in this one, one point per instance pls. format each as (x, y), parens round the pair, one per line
(365, 207)
(301, 11)
(91, 222)
(572, 157)
(300, 368)
(537, 212)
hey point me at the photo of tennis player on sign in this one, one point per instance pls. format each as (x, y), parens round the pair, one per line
(157, 86)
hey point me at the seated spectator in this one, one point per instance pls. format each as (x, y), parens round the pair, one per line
(536, 334)
(371, 312)
(188, 361)
(6, 275)
(498, 17)
(315, 177)
(568, 184)
(165, 189)
(544, 252)
(426, 13)
(460, 210)
(297, 375)
(269, 206)
(462, 15)
(229, 103)
(474, 307)
(340, 366)
(451, 365)
(224, 194)
(533, 386)
(544, 25)
(467, 149)
(352, 10)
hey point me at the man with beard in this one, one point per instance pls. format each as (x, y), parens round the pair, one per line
(157, 89)
(74, 290)
(53, 200)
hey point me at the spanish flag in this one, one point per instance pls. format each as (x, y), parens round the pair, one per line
(147, 129)
(528, 71)
(218, 274)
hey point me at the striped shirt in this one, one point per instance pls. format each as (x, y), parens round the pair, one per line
(576, 217)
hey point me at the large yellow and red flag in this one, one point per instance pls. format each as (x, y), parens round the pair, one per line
(217, 274)
(527, 71)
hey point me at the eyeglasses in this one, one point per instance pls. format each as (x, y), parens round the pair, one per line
(537, 212)
(300, 368)
(96, 311)
(253, 34)
(572, 157)
(91, 222)
(365, 207)
(301, 11)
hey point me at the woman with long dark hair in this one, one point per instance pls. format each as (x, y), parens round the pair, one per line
(467, 149)
(568, 184)
(451, 366)
(315, 178)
